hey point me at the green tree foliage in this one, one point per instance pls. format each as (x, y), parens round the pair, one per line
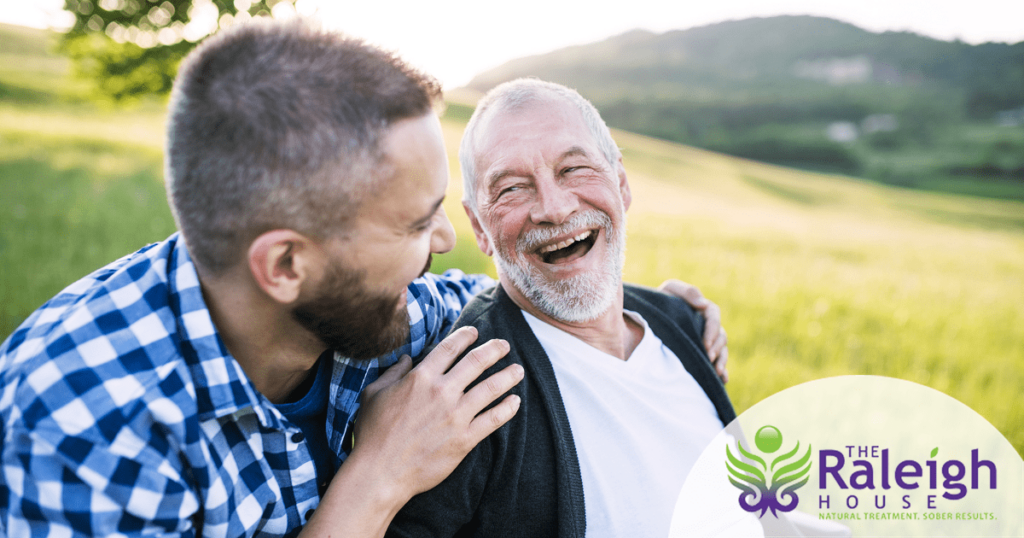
(131, 48)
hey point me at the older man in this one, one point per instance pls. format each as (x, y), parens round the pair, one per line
(619, 398)
(206, 385)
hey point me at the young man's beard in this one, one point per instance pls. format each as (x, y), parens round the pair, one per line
(351, 319)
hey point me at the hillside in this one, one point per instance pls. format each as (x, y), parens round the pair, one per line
(777, 48)
(28, 68)
(817, 275)
(909, 110)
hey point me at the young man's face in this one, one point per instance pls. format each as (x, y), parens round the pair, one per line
(551, 208)
(359, 307)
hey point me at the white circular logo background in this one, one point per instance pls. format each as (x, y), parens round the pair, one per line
(855, 456)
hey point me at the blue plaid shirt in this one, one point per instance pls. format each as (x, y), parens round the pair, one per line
(124, 414)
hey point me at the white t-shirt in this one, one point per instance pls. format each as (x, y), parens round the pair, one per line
(638, 426)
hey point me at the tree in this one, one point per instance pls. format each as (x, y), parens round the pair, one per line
(131, 48)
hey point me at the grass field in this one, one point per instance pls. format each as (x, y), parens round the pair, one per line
(817, 275)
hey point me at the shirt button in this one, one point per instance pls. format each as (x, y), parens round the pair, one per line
(297, 437)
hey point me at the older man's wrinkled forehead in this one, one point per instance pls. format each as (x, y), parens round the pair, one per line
(500, 114)
(533, 116)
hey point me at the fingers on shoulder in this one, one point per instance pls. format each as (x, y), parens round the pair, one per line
(489, 421)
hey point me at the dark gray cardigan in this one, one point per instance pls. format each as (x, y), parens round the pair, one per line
(524, 480)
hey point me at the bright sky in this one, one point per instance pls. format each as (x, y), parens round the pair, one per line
(456, 39)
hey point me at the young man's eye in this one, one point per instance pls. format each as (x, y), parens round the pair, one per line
(423, 226)
(427, 224)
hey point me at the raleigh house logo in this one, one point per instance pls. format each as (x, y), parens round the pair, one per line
(856, 456)
(787, 472)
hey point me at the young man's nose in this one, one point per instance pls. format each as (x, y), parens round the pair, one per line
(443, 238)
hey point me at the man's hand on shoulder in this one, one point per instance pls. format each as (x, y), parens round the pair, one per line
(425, 414)
(416, 424)
(714, 334)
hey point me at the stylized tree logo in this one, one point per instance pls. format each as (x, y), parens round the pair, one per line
(756, 493)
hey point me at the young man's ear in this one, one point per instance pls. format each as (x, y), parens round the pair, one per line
(482, 240)
(281, 261)
(627, 196)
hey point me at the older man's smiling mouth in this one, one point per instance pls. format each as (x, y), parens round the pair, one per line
(569, 249)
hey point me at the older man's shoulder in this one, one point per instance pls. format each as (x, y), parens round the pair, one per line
(659, 299)
(641, 298)
(482, 306)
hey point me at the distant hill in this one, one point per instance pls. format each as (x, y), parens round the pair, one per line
(781, 50)
(22, 40)
(30, 69)
(779, 47)
(769, 89)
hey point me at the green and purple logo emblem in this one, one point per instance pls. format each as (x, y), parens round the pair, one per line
(767, 487)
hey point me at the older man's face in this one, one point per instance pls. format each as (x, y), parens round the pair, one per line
(551, 209)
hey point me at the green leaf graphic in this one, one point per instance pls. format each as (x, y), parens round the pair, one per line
(786, 456)
(802, 467)
(739, 445)
(742, 466)
(935, 451)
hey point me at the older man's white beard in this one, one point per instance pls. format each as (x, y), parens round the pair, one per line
(576, 299)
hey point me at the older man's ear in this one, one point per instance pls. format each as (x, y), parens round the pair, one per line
(627, 197)
(482, 240)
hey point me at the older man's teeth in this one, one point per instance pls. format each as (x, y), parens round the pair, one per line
(563, 244)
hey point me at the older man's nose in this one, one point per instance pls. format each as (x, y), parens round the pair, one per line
(554, 203)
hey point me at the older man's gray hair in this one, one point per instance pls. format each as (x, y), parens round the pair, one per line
(515, 95)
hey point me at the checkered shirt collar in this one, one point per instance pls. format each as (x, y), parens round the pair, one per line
(222, 388)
